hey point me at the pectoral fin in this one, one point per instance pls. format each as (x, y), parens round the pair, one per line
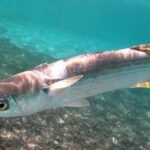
(145, 84)
(59, 86)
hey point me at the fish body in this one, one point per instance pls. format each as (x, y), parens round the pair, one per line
(66, 83)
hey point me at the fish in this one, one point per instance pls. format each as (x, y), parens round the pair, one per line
(70, 81)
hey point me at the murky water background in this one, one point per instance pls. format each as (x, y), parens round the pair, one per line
(36, 31)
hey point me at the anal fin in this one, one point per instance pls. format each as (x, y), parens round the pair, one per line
(78, 103)
(145, 84)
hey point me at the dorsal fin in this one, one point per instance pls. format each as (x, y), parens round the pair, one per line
(144, 48)
(41, 67)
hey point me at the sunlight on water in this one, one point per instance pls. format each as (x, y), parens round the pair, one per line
(50, 40)
(66, 28)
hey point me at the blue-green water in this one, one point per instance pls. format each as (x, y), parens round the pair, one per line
(65, 28)
(37, 31)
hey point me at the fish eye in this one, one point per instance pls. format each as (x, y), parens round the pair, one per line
(3, 104)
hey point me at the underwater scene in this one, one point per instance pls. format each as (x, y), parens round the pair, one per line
(33, 32)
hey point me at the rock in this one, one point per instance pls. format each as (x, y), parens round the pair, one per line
(114, 140)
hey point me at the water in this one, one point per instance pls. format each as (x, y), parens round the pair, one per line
(49, 40)
(66, 28)
(43, 31)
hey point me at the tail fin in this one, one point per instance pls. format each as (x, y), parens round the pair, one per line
(144, 47)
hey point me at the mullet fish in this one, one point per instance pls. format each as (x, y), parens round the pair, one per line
(66, 83)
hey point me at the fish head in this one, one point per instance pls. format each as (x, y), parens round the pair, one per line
(8, 105)
(22, 105)
(14, 102)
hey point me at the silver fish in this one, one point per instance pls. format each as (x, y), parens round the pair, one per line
(68, 82)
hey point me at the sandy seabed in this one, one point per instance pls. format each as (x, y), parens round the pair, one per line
(118, 120)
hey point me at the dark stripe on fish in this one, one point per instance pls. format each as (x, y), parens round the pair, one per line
(95, 63)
